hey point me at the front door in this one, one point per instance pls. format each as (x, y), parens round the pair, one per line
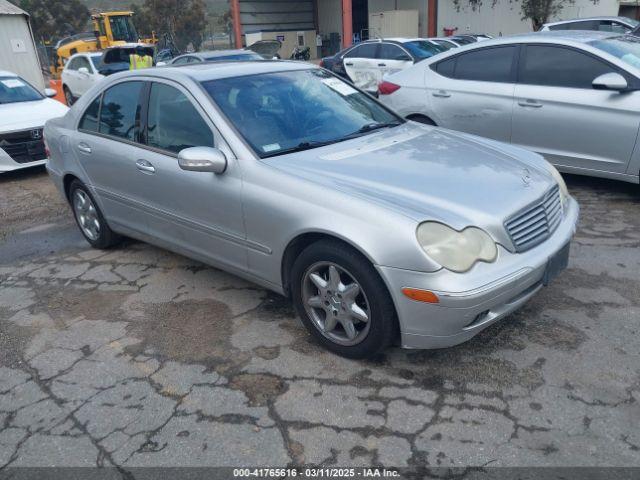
(558, 113)
(391, 59)
(361, 66)
(199, 212)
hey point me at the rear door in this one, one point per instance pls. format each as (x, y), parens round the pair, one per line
(391, 59)
(361, 65)
(106, 148)
(473, 92)
(558, 113)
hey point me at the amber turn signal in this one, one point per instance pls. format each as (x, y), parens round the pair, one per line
(421, 295)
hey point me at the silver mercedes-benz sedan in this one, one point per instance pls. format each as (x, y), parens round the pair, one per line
(379, 229)
(571, 96)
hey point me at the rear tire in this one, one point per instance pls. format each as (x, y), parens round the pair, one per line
(89, 217)
(68, 96)
(342, 300)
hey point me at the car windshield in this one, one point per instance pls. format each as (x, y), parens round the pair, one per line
(122, 29)
(626, 48)
(15, 89)
(236, 56)
(284, 112)
(422, 49)
(444, 44)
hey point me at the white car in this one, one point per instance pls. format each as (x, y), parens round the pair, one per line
(23, 112)
(80, 73)
(602, 24)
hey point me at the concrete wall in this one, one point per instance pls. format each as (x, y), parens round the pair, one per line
(420, 5)
(24, 62)
(281, 15)
(505, 17)
(329, 16)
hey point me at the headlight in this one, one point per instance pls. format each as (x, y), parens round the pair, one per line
(564, 191)
(454, 250)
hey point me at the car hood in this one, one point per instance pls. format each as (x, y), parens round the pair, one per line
(23, 115)
(429, 173)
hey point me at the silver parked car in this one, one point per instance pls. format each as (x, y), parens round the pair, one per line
(288, 176)
(571, 96)
(602, 24)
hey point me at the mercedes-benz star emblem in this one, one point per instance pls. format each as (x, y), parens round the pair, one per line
(526, 177)
(36, 134)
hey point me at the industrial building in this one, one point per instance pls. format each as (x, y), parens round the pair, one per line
(17, 49)
(328, 25)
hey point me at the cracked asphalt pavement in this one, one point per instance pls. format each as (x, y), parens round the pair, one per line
(139, 357)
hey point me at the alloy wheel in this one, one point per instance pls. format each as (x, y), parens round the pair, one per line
(336, 303)
(86, 214)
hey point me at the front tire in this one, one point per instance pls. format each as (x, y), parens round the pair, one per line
(89, 218)
(342, 300)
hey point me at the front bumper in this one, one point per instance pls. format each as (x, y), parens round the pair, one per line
(471, 301)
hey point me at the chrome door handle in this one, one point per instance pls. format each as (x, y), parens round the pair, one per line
(84, 148)
(441, 94)
(529, 103)
(145, 166)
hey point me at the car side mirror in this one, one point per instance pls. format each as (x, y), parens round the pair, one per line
(50, 92)
(83, 70)
(202, 159)
(610, 81)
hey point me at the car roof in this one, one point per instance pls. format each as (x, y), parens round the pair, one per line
(553, 36)
(587, 19)
(205, 71)
(219, 53)
(7, 73)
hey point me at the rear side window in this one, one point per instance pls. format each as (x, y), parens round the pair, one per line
(560, 67)
(89, 120)
(446, 68)
(367, 50)
(173, 122)
(120, 113)
(486, 65)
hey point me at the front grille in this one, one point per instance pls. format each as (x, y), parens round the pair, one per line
(22, 147)
(537, 222)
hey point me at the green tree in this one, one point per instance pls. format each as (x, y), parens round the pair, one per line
(52, 19)
(185, 20)
(538, 12)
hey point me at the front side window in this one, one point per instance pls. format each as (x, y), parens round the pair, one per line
(560, 67)
(388, 51)
(89, 120)
(486, 65)
(366, 50)
(73, 64)
(173, 123)
(15, 90)
(282, 112)
(83, 63)
(120, 113)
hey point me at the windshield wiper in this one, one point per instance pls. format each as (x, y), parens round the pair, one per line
(301, 147)
(370, 127)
